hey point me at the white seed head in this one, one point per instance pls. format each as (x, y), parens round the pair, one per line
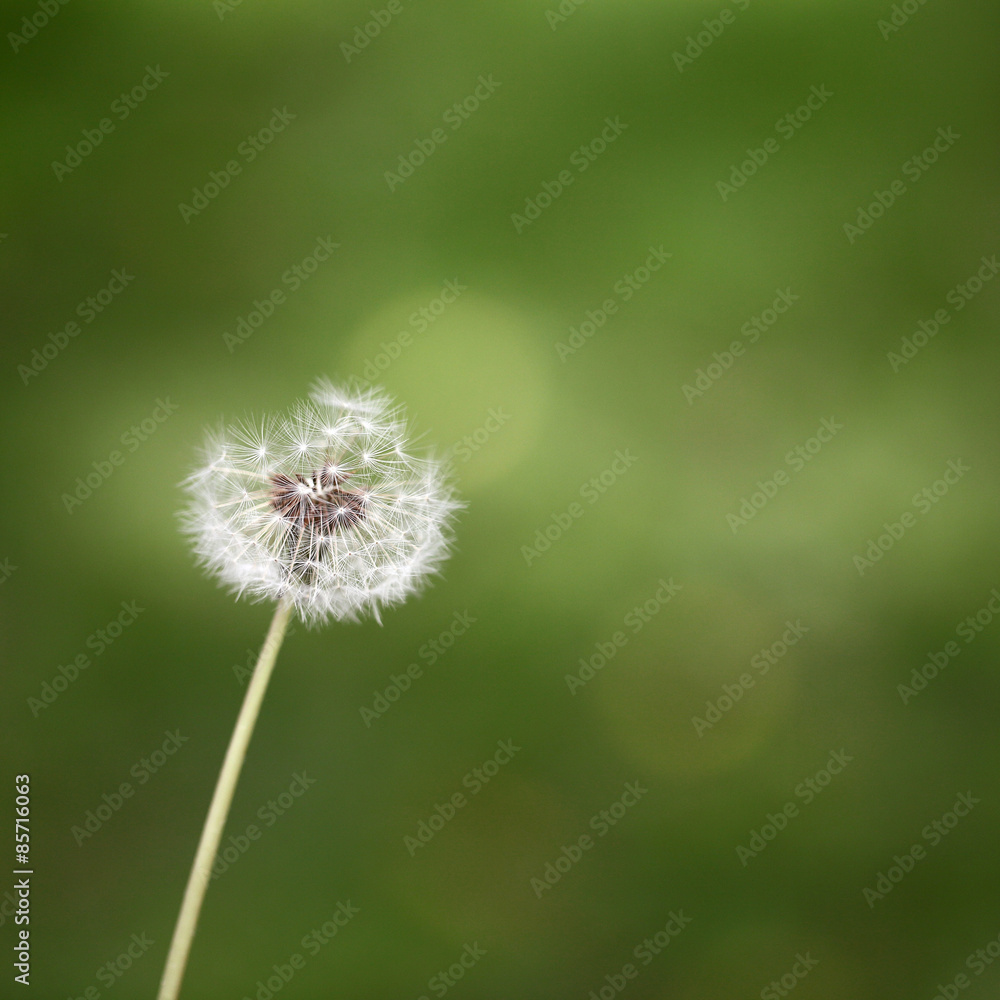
(323, 506)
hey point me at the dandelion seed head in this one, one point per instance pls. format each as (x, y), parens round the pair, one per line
(325, 506)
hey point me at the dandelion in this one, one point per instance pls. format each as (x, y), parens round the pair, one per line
(326, 511)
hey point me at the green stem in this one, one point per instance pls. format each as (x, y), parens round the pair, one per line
(211, 835)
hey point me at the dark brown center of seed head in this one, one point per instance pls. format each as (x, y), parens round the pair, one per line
(317, 504)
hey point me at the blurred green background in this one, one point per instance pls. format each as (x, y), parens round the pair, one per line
(532, 424)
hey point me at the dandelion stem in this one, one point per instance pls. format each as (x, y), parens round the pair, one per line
(222, 798)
